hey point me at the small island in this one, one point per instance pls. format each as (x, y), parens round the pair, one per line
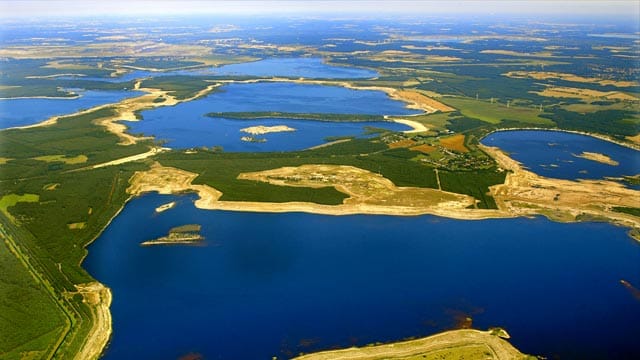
(601, 158)
(260, 130)
(165, 207)
(185, 234)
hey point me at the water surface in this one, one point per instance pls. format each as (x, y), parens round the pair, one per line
(553, 154)
(185, 125)
(278, 284)
(29, 111)
(313, 68)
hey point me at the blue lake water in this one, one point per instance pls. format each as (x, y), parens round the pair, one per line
(21, 112)
(552, 154)
(185, 125)
(268, 285)
(313, 68)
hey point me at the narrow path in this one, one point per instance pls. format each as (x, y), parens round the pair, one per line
(438, 178)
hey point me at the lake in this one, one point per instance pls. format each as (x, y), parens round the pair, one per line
(268, 285)
(313, 68)
(185, 125)
(553, 154)
(29, 111)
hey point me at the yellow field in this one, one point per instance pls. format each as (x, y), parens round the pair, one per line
(77, 226)
(402, 144)
(424, 148)
(80, 159)
(584, 94)
(545, 75)
(455, 142)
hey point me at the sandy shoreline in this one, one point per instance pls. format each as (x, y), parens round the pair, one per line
(98, 297)
(489, 342)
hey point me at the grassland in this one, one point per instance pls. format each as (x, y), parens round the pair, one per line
(494, 113)
(10, 200)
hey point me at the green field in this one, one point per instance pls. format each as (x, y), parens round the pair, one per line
(495, 113)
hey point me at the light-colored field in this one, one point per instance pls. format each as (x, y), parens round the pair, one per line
(601, 158)
(401, 144)
(77, 226)
(545, 75)
(421, 101)
(450, 345)
(455, 142)
(540, 54)
(584, 94)
(4, 160)
(260, 130)
(362, 186)
(80, 159)
(495, 112)
(590, 107)
(424, 148)
(60, 65)
(10, 200)
(105, 49)
(51, 187)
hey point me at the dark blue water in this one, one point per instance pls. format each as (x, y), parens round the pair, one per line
(278, 284)
(185, 125)
(313, 68)
(552, 154)
(21, 112)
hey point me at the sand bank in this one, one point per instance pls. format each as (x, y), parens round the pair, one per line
(472, 343)
(98, 297)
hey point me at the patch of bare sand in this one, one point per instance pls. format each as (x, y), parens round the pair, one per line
(634, 139)
(369, 193)
(545, 75)
(525, 193)
(485, 344)
(601, 158)
(168, 180)
(98, 297)
(583, 94)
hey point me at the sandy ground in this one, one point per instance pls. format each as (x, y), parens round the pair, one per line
(168, 180)
(416, 127)
(260, 130)
(583, 94)
(369, 193)
(546, 75)
(152, 152)
(98, 297)
(601, 158)
(455, 340)
(525, 193)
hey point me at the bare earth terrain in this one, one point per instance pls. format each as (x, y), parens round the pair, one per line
(456, 344)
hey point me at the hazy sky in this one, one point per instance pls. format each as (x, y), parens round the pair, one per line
(28, 8)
